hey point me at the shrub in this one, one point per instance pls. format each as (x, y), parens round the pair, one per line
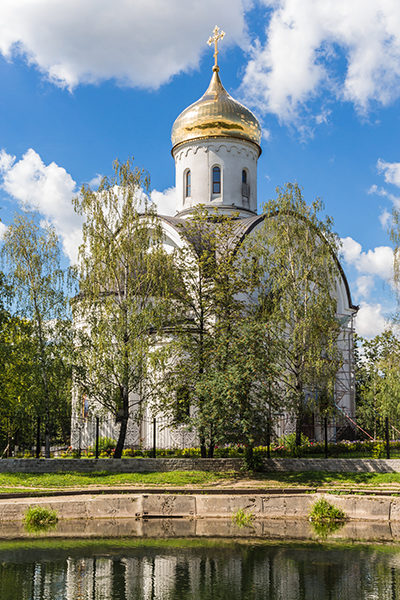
(106, 447)
(132, 452)
(378, 450)
(241, 518)
(39, 518)
(325, 512)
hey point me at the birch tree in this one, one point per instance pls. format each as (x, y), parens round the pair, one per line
(31, 256)
(123, 283)
(294, 269)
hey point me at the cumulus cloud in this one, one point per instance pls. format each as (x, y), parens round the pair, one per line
(378, 261)
(370, 320)
(385, 218)
(165, 202)
(391, 171)
(306, 44)
(141, 43)
(47, 189)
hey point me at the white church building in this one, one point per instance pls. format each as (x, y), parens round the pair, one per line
(216, 147)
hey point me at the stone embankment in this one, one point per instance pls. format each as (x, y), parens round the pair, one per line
(198, 506)
(151, 465)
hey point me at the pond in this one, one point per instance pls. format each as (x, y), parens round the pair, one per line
(143, 569)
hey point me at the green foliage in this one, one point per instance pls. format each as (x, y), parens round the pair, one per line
(379, 450)
(124, 289)
(289, 443)
(297, 249)
(325, 512)
(242, 518)
(40, 519)
(106, 446)
(219, 353)
(35, 378)
(378, 383)
(252, 461)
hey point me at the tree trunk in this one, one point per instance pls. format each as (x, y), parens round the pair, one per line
(47, 442)
(211, 450)
(299, 423)
(37, 453)
(203, 449)
(121, 437)
(47, 438)
(249, 458)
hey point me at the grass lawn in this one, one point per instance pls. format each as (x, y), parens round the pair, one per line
(62, 481)
(71, 480)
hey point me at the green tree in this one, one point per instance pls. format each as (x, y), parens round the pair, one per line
(184, 358)
(123, 281)
(294, 270)
(215, 367)
(378, 382)
(31, 256)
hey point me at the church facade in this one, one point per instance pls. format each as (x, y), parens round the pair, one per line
(216, 146)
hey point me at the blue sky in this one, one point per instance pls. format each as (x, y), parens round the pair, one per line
(86, 81)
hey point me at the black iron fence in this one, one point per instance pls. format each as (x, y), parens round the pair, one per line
(96, 436)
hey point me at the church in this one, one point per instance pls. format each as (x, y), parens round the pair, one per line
(216, 147)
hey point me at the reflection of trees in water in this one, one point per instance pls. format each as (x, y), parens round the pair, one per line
(236, 573)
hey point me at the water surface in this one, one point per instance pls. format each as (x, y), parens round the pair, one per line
(201, 570)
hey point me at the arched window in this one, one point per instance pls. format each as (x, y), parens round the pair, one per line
(216, 180)
(245, 186)
(188, 184)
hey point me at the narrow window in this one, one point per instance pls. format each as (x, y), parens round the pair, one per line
(216, 180)
(188, 184)
(245, 186)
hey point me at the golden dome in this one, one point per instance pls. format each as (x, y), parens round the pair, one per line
(216, 114)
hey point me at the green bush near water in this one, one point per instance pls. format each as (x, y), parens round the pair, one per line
(241, 518)
(39, 518)
(325, 512)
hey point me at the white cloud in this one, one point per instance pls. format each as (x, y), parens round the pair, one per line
(380, 191)
(305, 44)
(166, 202)
(370, 320)
(47, 189)
(378, 261)
(364, 284)
(351, 249)
(385, 218)
(391, 171)
(6, 161)
(95, 181)
(139, 43)
(3, 229)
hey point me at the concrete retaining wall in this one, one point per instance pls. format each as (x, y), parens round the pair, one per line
(141, 465)
(369, 508)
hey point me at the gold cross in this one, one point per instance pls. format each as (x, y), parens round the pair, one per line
(218, 34)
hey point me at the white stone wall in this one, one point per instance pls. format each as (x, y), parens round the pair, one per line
(232, 156)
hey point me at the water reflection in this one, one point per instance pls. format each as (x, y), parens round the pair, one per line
(217, 572)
